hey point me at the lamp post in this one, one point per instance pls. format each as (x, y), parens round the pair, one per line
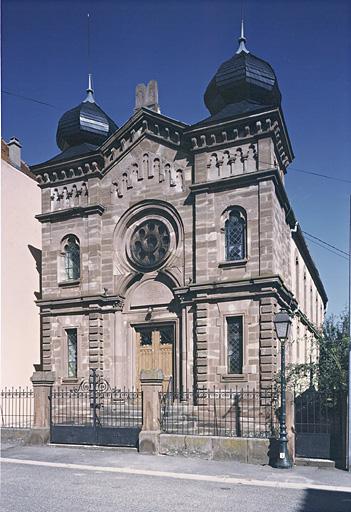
(282, 323)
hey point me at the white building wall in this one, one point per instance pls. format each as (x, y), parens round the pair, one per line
(20, 325)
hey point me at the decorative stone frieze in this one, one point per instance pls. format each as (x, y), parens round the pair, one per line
(232, 162)
(241, 132)
(143, 123)
(149, 167)
(61, 173)
(69, 196)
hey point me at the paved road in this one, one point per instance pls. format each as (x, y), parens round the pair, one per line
(36, 479)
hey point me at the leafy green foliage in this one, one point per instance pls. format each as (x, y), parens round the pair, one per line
(330, 372)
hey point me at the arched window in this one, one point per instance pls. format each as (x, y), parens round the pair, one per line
(235, 236)
(71, 258)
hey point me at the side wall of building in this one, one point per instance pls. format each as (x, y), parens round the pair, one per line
(20, 324)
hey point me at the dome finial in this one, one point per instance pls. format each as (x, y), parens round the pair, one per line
(90, 96)
(242, 39)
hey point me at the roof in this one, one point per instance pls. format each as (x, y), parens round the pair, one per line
(242, 84)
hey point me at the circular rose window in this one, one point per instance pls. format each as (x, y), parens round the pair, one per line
(150, 243)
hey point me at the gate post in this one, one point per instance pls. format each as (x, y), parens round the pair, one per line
(42, 385)
(151, 386)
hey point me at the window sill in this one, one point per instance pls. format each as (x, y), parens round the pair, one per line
(234, 377)
(70, 283)
(232, 264)
(70, 380)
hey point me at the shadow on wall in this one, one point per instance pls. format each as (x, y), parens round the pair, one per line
(325, 501)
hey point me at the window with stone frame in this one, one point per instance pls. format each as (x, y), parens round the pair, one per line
(72, 352)
(71, 259)
(235, 236)
(235, 345)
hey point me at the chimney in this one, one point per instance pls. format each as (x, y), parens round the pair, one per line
(147, 96)
(15, 152)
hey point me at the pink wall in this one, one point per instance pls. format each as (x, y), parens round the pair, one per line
(20, 337)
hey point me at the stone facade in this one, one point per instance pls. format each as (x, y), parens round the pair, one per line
(155, 173)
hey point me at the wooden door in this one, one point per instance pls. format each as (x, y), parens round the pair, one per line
(155, 347)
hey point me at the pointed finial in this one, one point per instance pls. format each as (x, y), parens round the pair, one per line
(90, 91)
(242, 40)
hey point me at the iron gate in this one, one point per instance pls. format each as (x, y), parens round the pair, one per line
(320, 425)
(95, 414)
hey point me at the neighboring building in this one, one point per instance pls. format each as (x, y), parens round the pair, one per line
(20, 267)
(172, 246)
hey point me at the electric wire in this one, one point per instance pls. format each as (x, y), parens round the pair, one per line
(28, 98)
(327, 249)
(326, 243)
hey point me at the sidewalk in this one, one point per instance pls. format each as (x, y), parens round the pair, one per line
(131, 462)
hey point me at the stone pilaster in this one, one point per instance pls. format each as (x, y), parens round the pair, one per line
(268, 344)
(46, 349)
(201, 345)
(96, 340)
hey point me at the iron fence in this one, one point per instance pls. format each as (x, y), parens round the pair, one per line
(321, 424)
(315, 411)
(17, 407)
(105, 408)
(229, 413)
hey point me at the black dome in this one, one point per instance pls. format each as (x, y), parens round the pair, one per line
(86, 123)
(244, 82)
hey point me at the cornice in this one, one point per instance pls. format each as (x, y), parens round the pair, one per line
(258, 287)
(82, 304)
(144, 123)
(70, 213)
(241, 130)
(241, 180)
(69, 171)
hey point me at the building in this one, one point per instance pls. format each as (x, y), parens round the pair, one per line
(20, 267)
(172, 246)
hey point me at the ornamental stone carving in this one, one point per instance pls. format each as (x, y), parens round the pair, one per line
(150, 243)
(152, 168)
(239, 160)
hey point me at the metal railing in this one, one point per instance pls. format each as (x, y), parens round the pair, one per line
(317, 412)
(107, 408)
(17, 407)
(229, 413)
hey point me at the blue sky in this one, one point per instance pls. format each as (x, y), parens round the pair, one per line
(181, 44)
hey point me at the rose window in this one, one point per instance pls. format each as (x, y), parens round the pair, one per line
(150, 243)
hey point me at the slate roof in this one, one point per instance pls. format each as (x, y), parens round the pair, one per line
(242, 84)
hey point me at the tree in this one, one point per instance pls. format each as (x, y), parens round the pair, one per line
(330, 371)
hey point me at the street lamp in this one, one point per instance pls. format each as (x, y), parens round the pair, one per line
(282, 322)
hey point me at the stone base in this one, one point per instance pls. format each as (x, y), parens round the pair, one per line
(149, 442)
(252, 451)
(39, 436)
(15, 436)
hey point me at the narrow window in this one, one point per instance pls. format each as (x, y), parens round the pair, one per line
(72, 259)
(297, 276)
(72, 352)
(235, 235)
(235, 344)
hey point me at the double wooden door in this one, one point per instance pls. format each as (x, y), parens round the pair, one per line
(155, 350)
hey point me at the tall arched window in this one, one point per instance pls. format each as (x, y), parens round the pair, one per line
(235, 236)
(72, 258)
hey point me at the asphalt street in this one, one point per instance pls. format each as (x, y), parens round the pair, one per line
(84, 479)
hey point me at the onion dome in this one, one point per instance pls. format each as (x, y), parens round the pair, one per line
(242, 84)
(85, 124)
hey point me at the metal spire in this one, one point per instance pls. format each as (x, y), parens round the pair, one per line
(90, 90)
(242, 40)
(90, 96)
